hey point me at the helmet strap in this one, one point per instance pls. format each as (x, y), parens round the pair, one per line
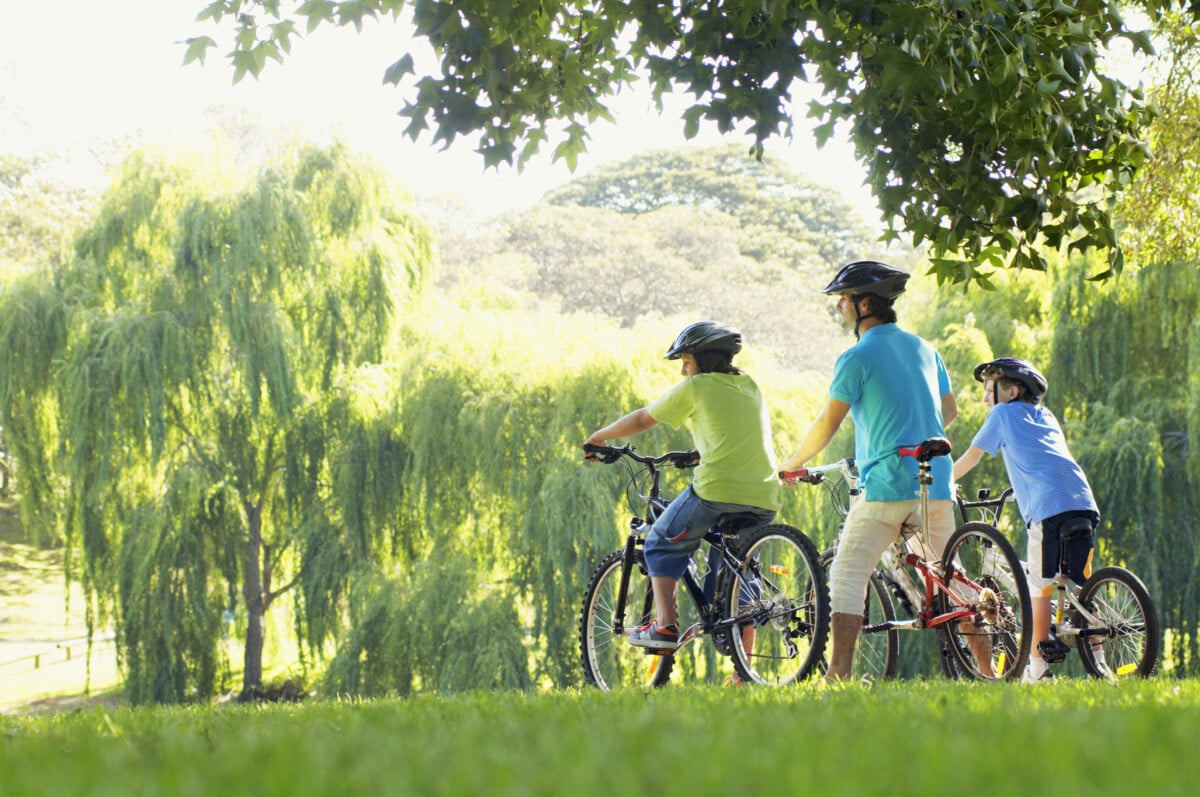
(859, 317)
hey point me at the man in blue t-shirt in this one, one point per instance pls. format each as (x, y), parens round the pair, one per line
(1052, 491)
(895, 387)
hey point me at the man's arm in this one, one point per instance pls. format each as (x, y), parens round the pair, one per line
(819, 434)
(969, 459)
(949, 409)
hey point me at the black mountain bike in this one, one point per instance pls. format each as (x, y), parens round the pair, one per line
(758, 591)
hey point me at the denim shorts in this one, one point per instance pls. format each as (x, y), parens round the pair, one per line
(681, 527)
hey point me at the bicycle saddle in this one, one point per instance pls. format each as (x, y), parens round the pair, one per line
(732, 523)
(933, 447)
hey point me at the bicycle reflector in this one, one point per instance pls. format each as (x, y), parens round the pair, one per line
(779, 570)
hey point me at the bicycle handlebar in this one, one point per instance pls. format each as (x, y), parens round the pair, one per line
(986, 501)
(610, 454)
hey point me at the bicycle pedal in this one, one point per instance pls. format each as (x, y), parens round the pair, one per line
(1053, 650)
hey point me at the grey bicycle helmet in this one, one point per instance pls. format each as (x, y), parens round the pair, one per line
(868, 276)
(705, 336)
(1017, 370)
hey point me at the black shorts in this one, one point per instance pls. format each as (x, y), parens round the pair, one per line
(1076, 558)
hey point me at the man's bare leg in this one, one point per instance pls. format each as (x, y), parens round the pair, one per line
(845, 636)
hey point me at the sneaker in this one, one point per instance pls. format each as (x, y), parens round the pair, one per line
(1102, 665)
(1029, 678)
(655, 637)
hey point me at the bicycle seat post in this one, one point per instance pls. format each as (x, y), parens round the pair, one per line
(924, 478)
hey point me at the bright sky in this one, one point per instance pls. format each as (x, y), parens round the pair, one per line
(80, 71)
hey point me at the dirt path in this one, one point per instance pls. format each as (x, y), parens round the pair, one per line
(43, 648)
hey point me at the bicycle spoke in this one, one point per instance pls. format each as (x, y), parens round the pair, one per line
(1120, 606)
(780, 596)
(609, 661)
(992, 642)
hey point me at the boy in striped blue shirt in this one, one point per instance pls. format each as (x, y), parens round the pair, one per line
(1052, 491)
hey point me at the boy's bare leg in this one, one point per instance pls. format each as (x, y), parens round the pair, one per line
(664, 600)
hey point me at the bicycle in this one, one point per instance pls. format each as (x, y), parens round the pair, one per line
(971, 597)
(761, 597)
(877, 654)
(1112, 609)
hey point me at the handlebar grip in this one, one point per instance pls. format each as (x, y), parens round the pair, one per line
(688, 460)
(605, 454)
(802, 475)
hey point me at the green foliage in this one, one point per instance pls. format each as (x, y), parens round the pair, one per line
(781, 215)
(431, 628)
(177, 553)
(26, 415)
(38, 214)
(684, 235)
(1160, 213)
(1123, 356)
(200, 341)
(502, 519)
(986, 129)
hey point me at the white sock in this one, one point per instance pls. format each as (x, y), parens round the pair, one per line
(1037, 667)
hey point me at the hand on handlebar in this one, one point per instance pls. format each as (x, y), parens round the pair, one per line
(604, 454)
(791, 478)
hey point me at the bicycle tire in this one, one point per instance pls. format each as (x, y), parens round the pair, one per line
(1121, 599)
(609, 661)
(781, 586)
(877, 651)
(988, 576)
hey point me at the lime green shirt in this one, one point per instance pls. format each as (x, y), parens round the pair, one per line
(732, 432)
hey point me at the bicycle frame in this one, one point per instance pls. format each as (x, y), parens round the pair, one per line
(897, 555)
(719, 555)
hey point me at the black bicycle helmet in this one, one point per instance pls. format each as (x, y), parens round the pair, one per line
(1017, 370)
(868, 276)
(704, 336)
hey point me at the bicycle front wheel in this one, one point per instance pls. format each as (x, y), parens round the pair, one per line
(1129, 645)
(985, 576)
(878, 647)
(609, 661)
(781, 600)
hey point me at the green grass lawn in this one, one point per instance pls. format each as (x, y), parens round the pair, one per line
(934, 737)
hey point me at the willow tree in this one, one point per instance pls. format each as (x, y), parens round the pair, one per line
(1124, 369)
(203, 344)
(508, 520)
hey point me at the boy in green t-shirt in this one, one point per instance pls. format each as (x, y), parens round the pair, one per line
(732, 431)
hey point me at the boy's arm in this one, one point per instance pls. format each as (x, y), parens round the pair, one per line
(635, 422)
(969, 459)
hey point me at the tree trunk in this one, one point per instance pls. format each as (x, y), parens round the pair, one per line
(252, 593)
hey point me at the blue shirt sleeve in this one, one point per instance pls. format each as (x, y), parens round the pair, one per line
(990, 436)
(848, 378)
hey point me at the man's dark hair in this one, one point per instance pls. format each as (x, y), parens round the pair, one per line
(879, 307)
(715, 361)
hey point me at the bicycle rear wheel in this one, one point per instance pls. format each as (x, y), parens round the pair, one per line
(609, 661)
(781, 593)
(1120, 600)
(986, 576)
(878, 647)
